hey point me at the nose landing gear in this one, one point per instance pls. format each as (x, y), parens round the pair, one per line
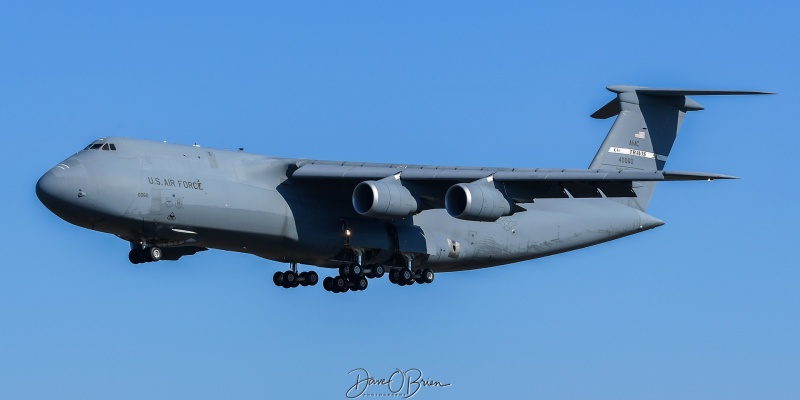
(144, 255)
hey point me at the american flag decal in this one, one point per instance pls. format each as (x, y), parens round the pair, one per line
(639, 135)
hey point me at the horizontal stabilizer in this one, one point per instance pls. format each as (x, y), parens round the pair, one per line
(681, 92)
(629, 94)
(609, 110)
(694, 176)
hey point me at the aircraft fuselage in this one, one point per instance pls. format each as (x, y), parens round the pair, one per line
(173, 195)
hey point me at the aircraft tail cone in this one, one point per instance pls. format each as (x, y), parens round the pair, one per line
(647, 221)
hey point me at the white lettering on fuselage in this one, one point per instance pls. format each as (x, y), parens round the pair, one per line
(195, 185)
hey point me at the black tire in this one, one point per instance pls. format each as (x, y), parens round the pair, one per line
(155, 253)
(340, 284)
(289, 279)
(144, 255)
(361, 283)
(327, 283)
(378, 270)
(344, 270)
(277, 278)
(394, 276)
(135, 256)
(406, 275)
(312, 278)
(428, 275)
(303, 278)
(356, 270)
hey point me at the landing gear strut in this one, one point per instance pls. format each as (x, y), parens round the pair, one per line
(293, 279)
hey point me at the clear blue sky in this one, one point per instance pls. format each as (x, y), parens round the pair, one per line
(703, 307)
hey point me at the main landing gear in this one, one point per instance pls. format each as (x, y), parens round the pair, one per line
(144, 255)
(293, 279)
(404, 276)
(353, 277)
(409, 275)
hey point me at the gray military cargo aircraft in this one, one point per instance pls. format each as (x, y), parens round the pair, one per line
(368, 219)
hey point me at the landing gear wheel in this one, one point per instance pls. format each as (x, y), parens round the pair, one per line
(427, 275)
(339, 284)
(302, 278)
(356, 270)
(145, 256)
(394, 276)
(406, 276)
(361, 283)
(312, 278)
(327, 283)
(290, 279)
(155, 253)
(277, 279)
(378, 271)
(344, 270)
(135, 256)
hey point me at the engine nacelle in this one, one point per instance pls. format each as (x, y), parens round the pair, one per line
(476, 202)
(385, 198)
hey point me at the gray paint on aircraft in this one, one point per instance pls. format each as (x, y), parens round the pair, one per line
(185, 198)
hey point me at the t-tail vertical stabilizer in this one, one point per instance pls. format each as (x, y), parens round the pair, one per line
(647, 124)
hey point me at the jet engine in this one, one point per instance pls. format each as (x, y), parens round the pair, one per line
(476, 202)
(386, 198)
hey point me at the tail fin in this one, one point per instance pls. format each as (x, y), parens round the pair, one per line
(645, 129)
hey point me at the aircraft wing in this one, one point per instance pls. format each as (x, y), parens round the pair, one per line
(327, 170)
(519, 184)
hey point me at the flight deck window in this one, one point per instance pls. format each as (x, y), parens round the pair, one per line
(113, 148)
(105, 147)
(95, 146)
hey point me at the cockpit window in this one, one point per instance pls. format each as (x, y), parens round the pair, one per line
(101, 145)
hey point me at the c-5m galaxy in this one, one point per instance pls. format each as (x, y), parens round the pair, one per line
(367, 219)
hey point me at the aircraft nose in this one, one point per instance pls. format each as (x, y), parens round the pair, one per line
(64, 189)
(48, 189)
